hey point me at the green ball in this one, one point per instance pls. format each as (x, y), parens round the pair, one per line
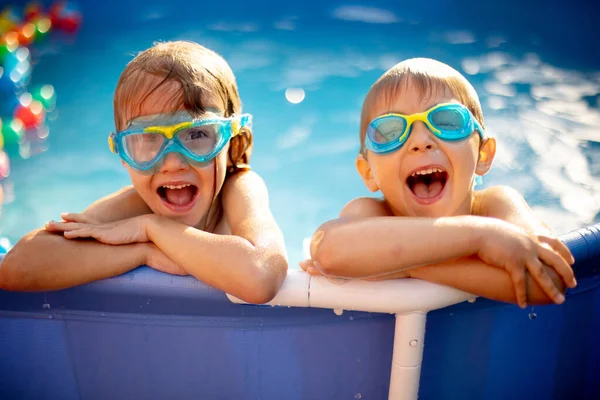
(12, 137)
(45, 95)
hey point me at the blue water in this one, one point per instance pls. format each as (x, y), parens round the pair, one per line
(535, 65)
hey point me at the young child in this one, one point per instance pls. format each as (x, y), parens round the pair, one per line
(195, 206)
(423, 143)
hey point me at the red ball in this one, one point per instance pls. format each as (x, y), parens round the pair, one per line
(71, 23)
(31, 116)
(32, 11)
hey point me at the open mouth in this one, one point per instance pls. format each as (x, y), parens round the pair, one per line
(427, 183)
(178, 196)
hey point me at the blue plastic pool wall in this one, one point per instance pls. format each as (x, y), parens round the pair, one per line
(149, 335)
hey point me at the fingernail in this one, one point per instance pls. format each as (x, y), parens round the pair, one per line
(561, 298)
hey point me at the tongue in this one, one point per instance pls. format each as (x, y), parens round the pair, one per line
(425, 191)
(179, 197)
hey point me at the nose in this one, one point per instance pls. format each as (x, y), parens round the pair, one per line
(420, 138)
(174, 161)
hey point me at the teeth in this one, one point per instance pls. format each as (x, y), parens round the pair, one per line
(427, 171)
(176, 186)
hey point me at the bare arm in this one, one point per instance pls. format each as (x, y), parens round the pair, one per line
(250, 263)
(47, 261)
(474, 276)
(365, 241)
(381, 252)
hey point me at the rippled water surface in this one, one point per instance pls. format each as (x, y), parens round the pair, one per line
(536, 68)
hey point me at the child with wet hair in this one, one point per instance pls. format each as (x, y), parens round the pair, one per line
(195, 206)
(423, 143)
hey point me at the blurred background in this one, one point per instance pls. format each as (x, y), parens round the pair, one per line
(303, 69)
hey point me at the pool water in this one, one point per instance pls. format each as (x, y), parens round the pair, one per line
(536, 67)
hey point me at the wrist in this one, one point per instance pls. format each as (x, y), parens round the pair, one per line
(150, 222)
(143, 252)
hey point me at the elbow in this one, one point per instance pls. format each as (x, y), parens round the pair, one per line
(266, 282)
(12, 277)
(324, 253)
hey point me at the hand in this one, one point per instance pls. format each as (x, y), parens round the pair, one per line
(309, 266)
(158, 260)
(507, 246)
(132, 230)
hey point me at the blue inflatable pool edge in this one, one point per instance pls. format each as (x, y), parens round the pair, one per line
(150, 335)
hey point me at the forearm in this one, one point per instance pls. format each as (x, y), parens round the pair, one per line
(46, 261)
(474, 276)
(227, 262)
(374, 246)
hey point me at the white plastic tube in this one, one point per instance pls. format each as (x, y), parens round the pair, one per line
(409, 299)
(398, 296)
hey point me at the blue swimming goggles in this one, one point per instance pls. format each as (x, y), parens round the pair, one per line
(148, 139)
(447, 121)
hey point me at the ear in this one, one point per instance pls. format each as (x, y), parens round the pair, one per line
(487, 152)
(364, 169)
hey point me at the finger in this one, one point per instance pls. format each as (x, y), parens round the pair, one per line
(559, 247)
(538, 273)
(558, 263)
(78, 233)
(73, 217)
(305, 264)
(518, 277)
(55, 226)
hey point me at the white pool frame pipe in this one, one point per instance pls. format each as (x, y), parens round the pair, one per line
(408, 299)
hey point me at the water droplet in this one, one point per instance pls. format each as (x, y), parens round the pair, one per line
(50, 316)
(358, 396)
(413, 343)
(338, 311)
(148, 301)
(351, 318)
(451, 314)
(532, 316)
(46, 306)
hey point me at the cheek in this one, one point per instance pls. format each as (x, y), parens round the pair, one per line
(140, 182)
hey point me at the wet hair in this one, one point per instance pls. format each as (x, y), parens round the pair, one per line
(202, 79)
(429, 77)
(201, 73)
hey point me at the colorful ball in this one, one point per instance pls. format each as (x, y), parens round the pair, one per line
(12, 132)
(4, 165)
(42, 27)
(9, 19)
(45, 95)
(32, 11)
(27, 33)
(65, 16)
(32, 115)
(8, 45)
(7, 85)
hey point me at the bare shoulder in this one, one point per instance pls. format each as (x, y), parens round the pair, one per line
(491, 201)
(365, 207)
(245, 188)
(122, 204)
